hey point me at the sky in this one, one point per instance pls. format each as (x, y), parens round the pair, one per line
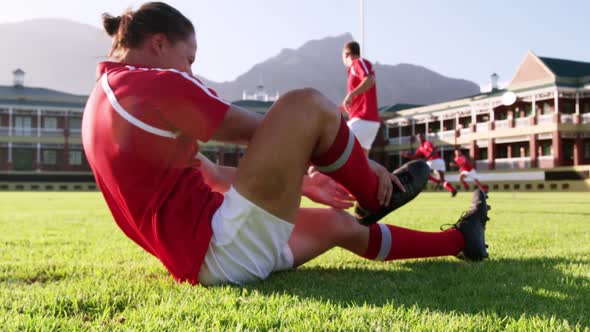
(467, 39)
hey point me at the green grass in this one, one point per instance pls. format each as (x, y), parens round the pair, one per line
(64, 265)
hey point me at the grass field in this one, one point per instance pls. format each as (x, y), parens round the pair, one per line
(64, 265)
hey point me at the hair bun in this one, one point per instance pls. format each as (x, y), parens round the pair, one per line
(111, 24)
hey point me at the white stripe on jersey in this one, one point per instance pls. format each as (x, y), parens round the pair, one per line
(125, 115)
(362, 61)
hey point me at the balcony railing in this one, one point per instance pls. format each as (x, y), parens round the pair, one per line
(545, 118)
(432, 136)
(52, 132)
(523, 122)
(482, 127)
(465, 131)
(396, 140)
(446, 134)
(501, 124)
(75, 133)
(482, 164)
(513, 163)
(24, 131)
(4, 131)
(567, 118)
(586, 118)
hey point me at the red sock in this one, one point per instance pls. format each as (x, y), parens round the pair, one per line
(465, 185)
(448, 186)
(388, 242)
(433, 179)
(346, 162)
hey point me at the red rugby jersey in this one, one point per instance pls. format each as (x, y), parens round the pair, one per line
(364, 106)
(140, 130)
(428, 150)
(463, 163)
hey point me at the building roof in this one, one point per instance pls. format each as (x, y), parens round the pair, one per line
(254, 105)
(567, 68)
(533, 72)
(23, 95)
(396, 108)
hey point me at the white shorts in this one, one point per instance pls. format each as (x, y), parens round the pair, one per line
(248, 243)
(437, 165)
(365, 131)
(472, 174)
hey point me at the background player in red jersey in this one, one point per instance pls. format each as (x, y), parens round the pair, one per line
(211, 224)
(360, 102)
(467, 171)
(428, 151)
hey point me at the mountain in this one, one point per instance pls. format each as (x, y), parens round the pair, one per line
(62, 55)
(55, 53)
(318, 64)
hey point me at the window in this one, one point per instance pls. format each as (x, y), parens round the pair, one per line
(465, 122)
(528, 110)
(393, 132)
(434, 127)
(521, 150)
(22, 126)
(448, 125)
(545, 149)
(502, 151)
(75, 157)
(586, 108)
(75, 123)
(568, 149)
(50, 123)
(482, 154)
(49, 157)
(481, 118)
(568, 108)
(546, 108)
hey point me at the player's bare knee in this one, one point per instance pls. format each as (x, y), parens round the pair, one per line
(310, 102)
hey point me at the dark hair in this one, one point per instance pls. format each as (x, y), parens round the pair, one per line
(353, 47)
(131, 28)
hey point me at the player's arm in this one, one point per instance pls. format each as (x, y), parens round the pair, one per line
(316, 186)
(365, 85)
(218, 177)
(238, 126)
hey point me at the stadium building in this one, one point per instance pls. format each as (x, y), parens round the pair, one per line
(532, 135)
(40, 141)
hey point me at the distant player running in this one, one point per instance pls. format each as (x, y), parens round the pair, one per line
(428, 151)
(361, 100)
(467, 171)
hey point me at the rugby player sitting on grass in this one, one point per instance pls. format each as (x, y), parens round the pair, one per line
(212, 224)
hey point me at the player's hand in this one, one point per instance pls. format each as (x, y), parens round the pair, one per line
(322, 189)
(347, 102)
(386, 182)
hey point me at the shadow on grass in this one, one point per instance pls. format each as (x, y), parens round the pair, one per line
(506, 287)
